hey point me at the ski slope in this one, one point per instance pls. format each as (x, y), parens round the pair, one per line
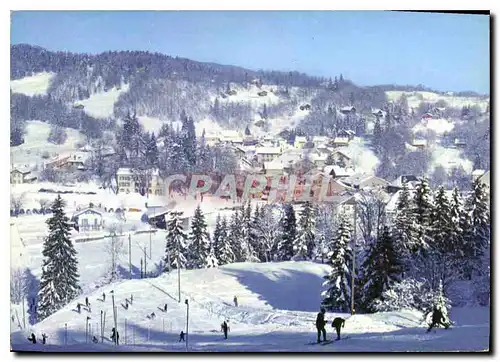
(277, 306)
(37, 84)
(415, 98)
(101, 104)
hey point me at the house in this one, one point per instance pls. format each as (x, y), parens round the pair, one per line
(76, 162)
(262, 93)
(419, 143)
(267, 154)
(337, 171)
(477, 174)
(211, 139)
(397, 184)
(346, 133)
(320, 140)
(239, 152)
(88, 220)
(21, 175)
(378, 113)
(300, 141)
(273, 168)
(126, 183)
(485, 179)
(348, 110)
(363, 181)
(341, 159)
(57, 161)
(459, 143)
(341, 141)
(230, 136)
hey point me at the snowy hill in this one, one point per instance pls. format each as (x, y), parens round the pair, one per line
(37, 84)
(414, 99)
(277, 306)
(100, 105)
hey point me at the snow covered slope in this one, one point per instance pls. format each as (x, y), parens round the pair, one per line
(35, 143)
(100, 105)
(415, 98)
(37, 84)
(277, 306)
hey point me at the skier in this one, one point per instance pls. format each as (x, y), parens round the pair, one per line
(78, 307)
(115, 336)
(103, 297)
(181, 336)
(165, 308)
(437, 319)
(338, 323)
(225, 329)
(32, 338)
(94, 339)
(44, 338)
(320, 325)
(235, 300)
(131, 298)
(87, 301)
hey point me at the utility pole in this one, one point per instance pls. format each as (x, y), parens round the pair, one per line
(145, 270)
(187, 323)
(114, 314)
(24, 314)
(178, 270)
(141, 270)
(353, 259)
(130, 256)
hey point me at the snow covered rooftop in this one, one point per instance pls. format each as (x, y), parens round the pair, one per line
(478, 172)
(124, 171)
(300, 139)
(268, 150)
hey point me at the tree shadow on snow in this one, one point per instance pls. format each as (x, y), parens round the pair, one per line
(288, 290)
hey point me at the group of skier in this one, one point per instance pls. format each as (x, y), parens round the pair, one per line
(338, 323)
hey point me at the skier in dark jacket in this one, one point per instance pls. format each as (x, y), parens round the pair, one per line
(320, 325)
(165, 308)
(103, 297)
(115, 336)
(44, 338)
(32, 338)
(181, 337)
(437, 319)
(338, 323)
(235, 300)
(225, 329)
(78, 307)
(87, 301)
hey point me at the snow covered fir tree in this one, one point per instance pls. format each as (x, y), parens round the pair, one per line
(199, 242)
(59, 280)
(175, 247)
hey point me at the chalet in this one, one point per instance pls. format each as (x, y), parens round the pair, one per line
(57, 161)
(239, 152)
(250, 142)
(397, 184)
(21, 175)
(262, 93)
(340, 141)
(346, 133)
(419, 143)
(341, 159)
(337, 171)
(230, 136)
(212, 139)
(87, 220)
(378, 113)
(320, 140)
(459, 143)
(348, 110)
(318, 159)
(267, 154)
(273, 168)
(76, 162)
(363, 181)
(300, 141)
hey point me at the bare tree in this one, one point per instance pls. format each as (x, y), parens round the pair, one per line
(16, 285)
(371, 213)
(114, 248)
(17, 202)
(44, 204)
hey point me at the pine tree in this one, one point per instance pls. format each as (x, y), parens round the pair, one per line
(223, 251)
(59, 281)
(289, 227)
(404, 232)
(478, 235)
(199, 241)
(304, 243)
(188, 137)
(422, 212)
(175, 248)
(381, 268)
(338, 295)
(151, 152)
(236, 236)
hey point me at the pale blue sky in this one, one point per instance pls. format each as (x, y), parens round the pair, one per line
(442, 51)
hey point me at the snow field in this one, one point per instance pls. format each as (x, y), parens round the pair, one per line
(415, 98)
(37, 84)
(100, 105)
(268, 317)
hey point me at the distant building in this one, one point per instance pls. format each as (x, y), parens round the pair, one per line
(348, 110)
(88, 220)
(21, 175)
(267, 154)
(419, 143)
(300, 141)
